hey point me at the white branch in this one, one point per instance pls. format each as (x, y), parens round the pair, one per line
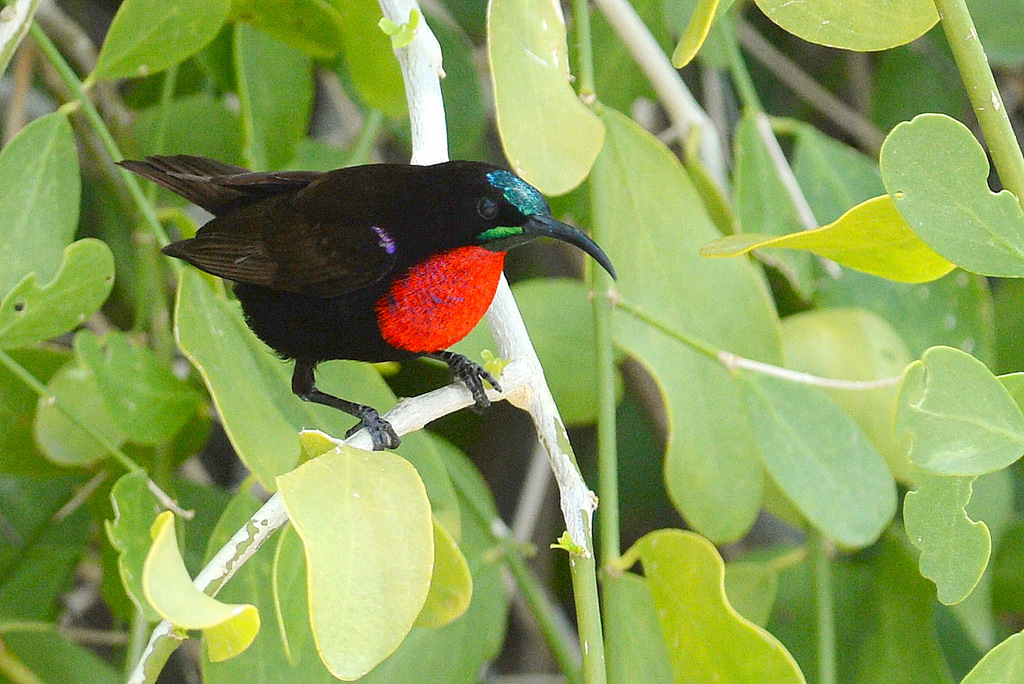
(15, 20)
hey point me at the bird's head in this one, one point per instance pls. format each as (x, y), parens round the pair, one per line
(510, 212)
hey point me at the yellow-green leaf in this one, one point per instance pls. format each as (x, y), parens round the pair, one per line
(708, 641)
(451, 585)
(871, 237)
(365, 523)
(228, 628)
(550, 138)
(695, 34)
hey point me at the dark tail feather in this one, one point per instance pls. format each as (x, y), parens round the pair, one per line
(190, 177)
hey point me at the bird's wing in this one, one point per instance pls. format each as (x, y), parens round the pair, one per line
(269, 244)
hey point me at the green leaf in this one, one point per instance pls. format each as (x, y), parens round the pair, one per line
(1001, 665)
(854, 344)
(52, 657)
(861, 25)
(311, 26)
(32, 313)
(959, 418)
(550, 138)
(197, 124)
(695, 34)
(143, 396)
(634, 646)
(650, 221)
(936, 172)
(451, 584)
(39, 203)
(147, 36)
(1007, 579)
(751, 587)
(369, 60)
(135, 511)
(997, 22)
(364, 520)
(19, 454)
(228, 629)
(63, 442)
(275, 88)
(833, 176)
(821, 460)
(708, 640)
(871, 237)
(41, 549)
(954, 548)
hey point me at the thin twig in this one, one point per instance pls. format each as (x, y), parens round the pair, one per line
(736, 362)
(680, 105)
(810, 91)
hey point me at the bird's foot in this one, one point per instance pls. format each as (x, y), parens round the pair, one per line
(472, 375)
(381, 433)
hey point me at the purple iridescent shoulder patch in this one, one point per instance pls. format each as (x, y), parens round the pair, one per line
(384, 240)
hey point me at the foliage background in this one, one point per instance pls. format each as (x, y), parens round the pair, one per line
(816, 546)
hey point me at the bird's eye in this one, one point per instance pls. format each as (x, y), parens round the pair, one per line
(487, 208)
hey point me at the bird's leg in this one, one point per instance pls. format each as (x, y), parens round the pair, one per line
(471, 374)
(382, 434)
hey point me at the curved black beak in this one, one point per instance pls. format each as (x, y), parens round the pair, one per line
(540, 225)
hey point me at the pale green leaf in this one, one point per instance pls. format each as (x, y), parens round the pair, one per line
(954, 548)
(854, 344)
(147, 36)
(650, 221)
(959, 418)
(364, 519)
(228, 628)
(707, 639)
(937, 174)
(135, 511)
(370, 63)
(32, 313)
(39, 202)
(862, 25)
(634, 647)
(550, 138)
(871, 237)
(751, 587)
(821, 460)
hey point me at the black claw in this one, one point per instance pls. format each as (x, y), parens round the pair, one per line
(472, 375)
(381, 433)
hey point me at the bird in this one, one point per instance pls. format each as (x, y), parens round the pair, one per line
(378, 262)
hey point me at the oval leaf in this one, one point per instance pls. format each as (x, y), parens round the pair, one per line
(634, 646)
(32, 313)
(135, 511)
(364, 519)
(1001, 665)
(370, 63)
(550, 138)
(861, 25)
(954, 548)
(228, 628)
(711, 466)
(936, 172)
(39, 203)
(451, 585)
(871, 237)
(708, 641)
(821, 460)
(147, 36)
(144, 397)
(959, 418)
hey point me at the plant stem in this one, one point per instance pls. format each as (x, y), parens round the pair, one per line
(74, 84)
(737, 66)
(825, 618)
(981, 88)
(588, 615)
(607, 439)
(584, 51)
